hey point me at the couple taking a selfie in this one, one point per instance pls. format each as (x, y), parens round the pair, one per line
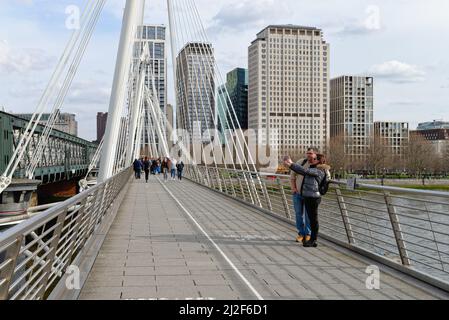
(310, 179)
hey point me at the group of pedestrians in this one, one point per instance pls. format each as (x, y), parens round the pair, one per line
(310, 179)
(164, 166)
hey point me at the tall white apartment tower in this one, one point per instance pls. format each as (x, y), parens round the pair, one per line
(351, 115)
(154, 37)
(289, 88)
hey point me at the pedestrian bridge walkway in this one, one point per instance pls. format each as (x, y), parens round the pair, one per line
(180, 240)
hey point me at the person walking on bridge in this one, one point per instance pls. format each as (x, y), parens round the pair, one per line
(146, 168)
(164, 168)
(314, 186)
(173, 164)
(180, 168)
(137, 166)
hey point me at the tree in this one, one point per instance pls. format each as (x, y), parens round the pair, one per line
(420, 155)
(445, 158)
(337, 155)
(378, 156)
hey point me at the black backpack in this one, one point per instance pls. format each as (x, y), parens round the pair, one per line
(324, 185)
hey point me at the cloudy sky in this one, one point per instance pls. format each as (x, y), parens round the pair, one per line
(402, 43)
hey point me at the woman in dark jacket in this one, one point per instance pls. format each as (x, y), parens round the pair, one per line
(164, 168)
(313, 177)
(180, 167)
(137, 165)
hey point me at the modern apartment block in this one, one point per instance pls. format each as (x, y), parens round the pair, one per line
(395, 136)
(289, 87)
(196, 89)
(153, 36)
(351, 115)
(65, 122)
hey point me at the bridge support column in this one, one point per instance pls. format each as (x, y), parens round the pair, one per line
(132, 18)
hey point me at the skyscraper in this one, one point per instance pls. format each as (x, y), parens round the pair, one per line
(196, 88)
(237, 85)
(102, 118)
(154, 37)
(235, 91)
(222, 107)
(289, 87)
(351, 115)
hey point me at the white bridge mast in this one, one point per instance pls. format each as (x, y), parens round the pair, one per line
(132, 18)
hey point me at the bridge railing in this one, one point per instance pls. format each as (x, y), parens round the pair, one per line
(35, 254)
(404, 228)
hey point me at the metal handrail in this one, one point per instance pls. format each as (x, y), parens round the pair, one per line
(398, 218)
(35, 254)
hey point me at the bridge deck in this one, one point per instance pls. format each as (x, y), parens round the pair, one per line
(203, 245)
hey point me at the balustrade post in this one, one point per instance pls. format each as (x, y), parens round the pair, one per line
(344, 215)
(53, 246)
(284, 199)
(8, 266)
(396, 225)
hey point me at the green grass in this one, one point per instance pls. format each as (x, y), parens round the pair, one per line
(444, 187)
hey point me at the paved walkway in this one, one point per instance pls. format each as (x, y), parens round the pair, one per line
(205, 246)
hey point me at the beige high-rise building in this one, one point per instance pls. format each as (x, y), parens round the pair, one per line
(395, 136)
(351, 115)
(289, 88)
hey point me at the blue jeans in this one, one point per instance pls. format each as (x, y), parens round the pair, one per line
(302, 219)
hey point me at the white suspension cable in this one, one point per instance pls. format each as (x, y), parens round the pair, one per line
(28, 133)
(43, 141)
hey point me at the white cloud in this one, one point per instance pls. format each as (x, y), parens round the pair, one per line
(396, 71)
(369, 23)
(244, 14)
(23, 60)
(88, 92)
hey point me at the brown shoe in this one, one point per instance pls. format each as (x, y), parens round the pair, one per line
(308, 237)
(300, 239)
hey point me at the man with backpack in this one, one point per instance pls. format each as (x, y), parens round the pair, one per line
(314, 186)
(296, 181)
